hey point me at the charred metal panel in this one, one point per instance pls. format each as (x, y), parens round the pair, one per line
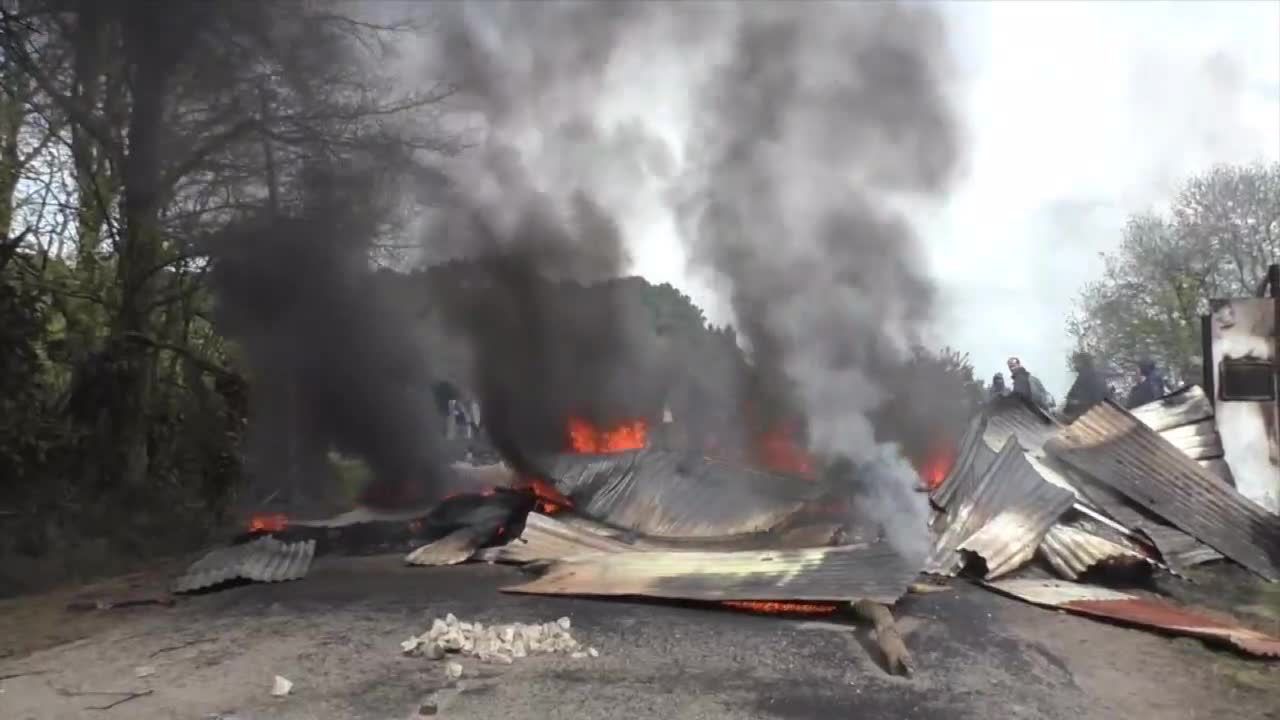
(263, 560)
(1003, 519)
(662, 493)
(546, 538)
(1113, 447)
(1075, 546)
(1177, 549)
(837, 574)
(1243, 340)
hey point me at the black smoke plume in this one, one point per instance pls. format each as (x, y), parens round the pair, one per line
(549, 336)
(334, 365)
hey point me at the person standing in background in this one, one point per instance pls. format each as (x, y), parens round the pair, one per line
(475, 416)
(1088, 390)
(1028, 386)
(1150, 385)
(998, 388)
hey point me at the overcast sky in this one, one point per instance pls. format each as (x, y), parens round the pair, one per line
(1079, 114)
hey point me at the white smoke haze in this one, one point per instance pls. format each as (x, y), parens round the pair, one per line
(781, 140)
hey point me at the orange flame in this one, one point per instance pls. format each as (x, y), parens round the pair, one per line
(550, 500)
(935, 468)
(586, 438)
(773, 607)
(778, 452)
(268, 522)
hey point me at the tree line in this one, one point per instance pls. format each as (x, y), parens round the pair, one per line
(133, 136)
(1217, 238)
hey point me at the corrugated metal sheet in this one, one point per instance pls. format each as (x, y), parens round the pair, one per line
(1003, 519)
(363, 515)
(1185, 418)
(661, 493)
(1137, 610)
(836, 574)
(1179, 550)
(1013, 416)
(973, 458)
(1187, 406)
(1198, 441)
(546, 538)
(1219, 468)
(1111, 446)
(1074, 546)
(263, 560)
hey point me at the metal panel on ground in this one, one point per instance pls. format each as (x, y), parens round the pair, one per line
(836, 574)
(662, 493)
(265, 559)
(1179, 550)
(1138, 610)
(1072, 547)
(1003, 519)
(546, 538)
(1110, 445)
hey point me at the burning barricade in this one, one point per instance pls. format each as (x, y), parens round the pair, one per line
(1020, 496)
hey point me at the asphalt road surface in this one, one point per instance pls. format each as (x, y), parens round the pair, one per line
(336, 635)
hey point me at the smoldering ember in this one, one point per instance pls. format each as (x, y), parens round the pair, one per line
(586, 360)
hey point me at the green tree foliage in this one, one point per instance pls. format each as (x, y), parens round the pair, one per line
(132, 134)
(1222, 232)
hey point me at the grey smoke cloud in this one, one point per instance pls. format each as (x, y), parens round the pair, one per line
(813, 128)
(533, 202)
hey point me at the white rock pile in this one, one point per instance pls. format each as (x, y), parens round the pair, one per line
(495, 643)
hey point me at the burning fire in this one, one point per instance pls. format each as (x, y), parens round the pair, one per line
(777, 451)
(268, 522)
(550, 500)
(936, 466)
(772, 607)
(586, 438)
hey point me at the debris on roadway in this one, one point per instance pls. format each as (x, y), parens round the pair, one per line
(281, 686)
(1125, 493)
(502, 644)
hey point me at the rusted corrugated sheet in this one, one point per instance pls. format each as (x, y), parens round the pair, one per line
(1003, 519)
(973, 458)
(1013, 416)
(661, 493)
(263, 560)
(1110, 445)
(1137, 610)
(546, 538)
(1074, 546)
(836, 574)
